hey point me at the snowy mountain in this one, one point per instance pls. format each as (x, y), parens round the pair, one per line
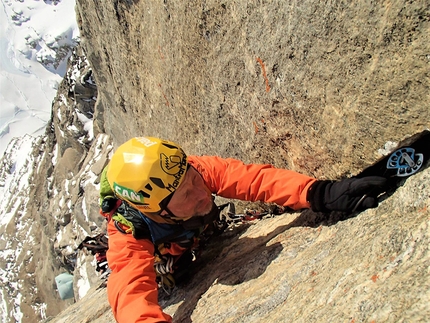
(36, 38)
(36, 44)
(15, 175)
(40, 191)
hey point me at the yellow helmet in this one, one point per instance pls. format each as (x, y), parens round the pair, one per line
(145, 170)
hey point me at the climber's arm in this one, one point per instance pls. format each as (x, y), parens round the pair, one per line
(132, 289)
(232, 178)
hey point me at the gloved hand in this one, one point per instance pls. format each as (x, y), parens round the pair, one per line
(347, 195)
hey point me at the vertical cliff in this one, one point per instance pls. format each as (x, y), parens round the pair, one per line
(314, 86)
(318, 87)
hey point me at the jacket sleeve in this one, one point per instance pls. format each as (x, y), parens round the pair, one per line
(231, 178)
(132, 288)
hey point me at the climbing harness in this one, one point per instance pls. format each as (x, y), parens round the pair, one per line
(177, 246)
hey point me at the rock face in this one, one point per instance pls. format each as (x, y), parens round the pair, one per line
(319, 88)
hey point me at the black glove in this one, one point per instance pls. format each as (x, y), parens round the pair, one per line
(347, 195)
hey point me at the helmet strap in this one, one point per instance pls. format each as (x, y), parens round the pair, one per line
(163, 204)
(170, 213)
(163, 207)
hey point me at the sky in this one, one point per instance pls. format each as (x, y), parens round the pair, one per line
(30, 33)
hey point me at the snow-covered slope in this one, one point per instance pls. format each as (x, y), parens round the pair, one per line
(48, 189)
(15, 174)
(36, 38)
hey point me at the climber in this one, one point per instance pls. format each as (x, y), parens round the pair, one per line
(158, 201)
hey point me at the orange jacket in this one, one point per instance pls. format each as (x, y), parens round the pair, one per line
(132, 287)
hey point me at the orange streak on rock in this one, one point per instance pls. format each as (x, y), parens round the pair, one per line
(264, 73)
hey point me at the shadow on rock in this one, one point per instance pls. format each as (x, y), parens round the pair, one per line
(227, 260)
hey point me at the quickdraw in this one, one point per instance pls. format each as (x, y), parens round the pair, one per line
(228, 216)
